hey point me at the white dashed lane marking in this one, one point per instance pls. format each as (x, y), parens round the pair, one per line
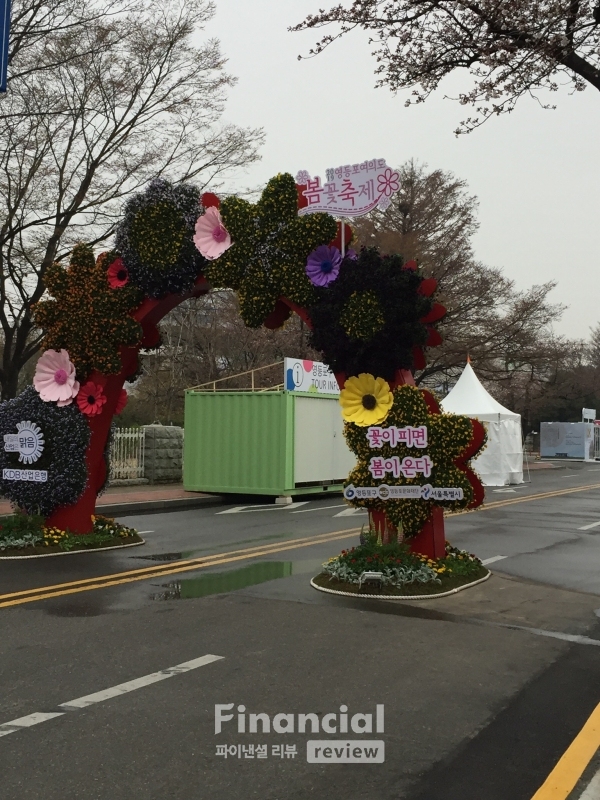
(106, 694)
(492, 559)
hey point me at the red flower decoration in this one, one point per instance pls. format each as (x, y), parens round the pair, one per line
(91, 399)
(117, 274)
(121, 402)
(210, 200)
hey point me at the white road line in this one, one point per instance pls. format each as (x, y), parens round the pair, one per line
(351, 512)
(592, 792)
(565, 637)
(568, 476)
(141, 532)
(492, 559)
(269, 507)
(589, 527)
(99, 697)
(503, 490)
(27, 722)
(318, 508)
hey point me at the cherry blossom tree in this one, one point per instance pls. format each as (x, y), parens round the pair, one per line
(510, 48)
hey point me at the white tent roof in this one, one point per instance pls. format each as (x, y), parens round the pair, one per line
(469, 397)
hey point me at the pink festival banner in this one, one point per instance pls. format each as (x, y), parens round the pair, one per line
(350, 191)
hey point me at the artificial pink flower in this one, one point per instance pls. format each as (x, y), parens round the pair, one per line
(54, 378)
(91, 399)
(211, 237)
(121, 402)
(117, 274)
(388, 183)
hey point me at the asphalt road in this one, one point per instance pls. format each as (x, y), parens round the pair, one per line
(482, 691)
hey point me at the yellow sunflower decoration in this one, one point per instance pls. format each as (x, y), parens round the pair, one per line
(366, 400)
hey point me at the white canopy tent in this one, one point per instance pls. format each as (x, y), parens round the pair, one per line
(501, 462)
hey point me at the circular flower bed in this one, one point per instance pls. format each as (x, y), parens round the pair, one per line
(27, 535)
(401, 571)
(375, 317)
(66, 435)
(155, 238)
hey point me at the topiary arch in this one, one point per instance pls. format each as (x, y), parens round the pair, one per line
(368, 314)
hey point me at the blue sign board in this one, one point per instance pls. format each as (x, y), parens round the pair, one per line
(4, 35)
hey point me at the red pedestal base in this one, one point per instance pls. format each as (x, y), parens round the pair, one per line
(431, 539)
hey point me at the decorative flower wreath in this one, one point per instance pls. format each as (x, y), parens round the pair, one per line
(448, 439)
(155, 238)
(375, 317)
(270, 246)
(87, 317)
(66, 438)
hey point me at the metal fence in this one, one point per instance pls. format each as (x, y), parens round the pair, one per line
(127, 454)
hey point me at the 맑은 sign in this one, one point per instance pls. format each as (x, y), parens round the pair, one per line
(28, 442)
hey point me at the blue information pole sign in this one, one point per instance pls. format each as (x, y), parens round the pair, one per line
(4, 35)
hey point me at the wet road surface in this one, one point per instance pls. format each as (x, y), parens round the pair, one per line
(482, 691)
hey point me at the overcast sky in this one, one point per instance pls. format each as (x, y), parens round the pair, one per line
(535, 172)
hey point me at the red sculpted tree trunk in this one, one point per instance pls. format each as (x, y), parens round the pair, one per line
(78, 517)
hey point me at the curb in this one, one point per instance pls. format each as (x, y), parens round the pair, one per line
(74, 552)
(400, 596)
(156, 506)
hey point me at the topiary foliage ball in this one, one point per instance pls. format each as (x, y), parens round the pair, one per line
(369, 318)
(66, 438)
(155, 238)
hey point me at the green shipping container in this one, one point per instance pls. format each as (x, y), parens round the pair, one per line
(271, 443)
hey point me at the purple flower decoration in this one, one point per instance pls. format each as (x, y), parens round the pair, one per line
(351, 254)
(323, 265)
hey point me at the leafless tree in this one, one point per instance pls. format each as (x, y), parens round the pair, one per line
(103, 95)
(510, 48)
(507, 333)
(205, 340)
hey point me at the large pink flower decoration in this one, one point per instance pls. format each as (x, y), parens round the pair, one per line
(388, 183)
(211, 237)
(54, 378)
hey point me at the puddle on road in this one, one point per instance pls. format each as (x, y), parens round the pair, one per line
(219, 582)
(163, 557)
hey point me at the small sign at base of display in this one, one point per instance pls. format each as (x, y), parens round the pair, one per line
(385, 492)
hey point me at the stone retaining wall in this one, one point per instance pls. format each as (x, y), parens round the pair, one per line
(163, 454)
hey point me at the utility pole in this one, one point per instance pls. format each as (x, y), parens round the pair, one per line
(4, 37)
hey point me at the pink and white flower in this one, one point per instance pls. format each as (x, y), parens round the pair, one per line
(211, 238)
(54, 378)
(388, 183)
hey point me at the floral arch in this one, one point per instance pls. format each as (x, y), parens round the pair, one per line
(371, 316)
